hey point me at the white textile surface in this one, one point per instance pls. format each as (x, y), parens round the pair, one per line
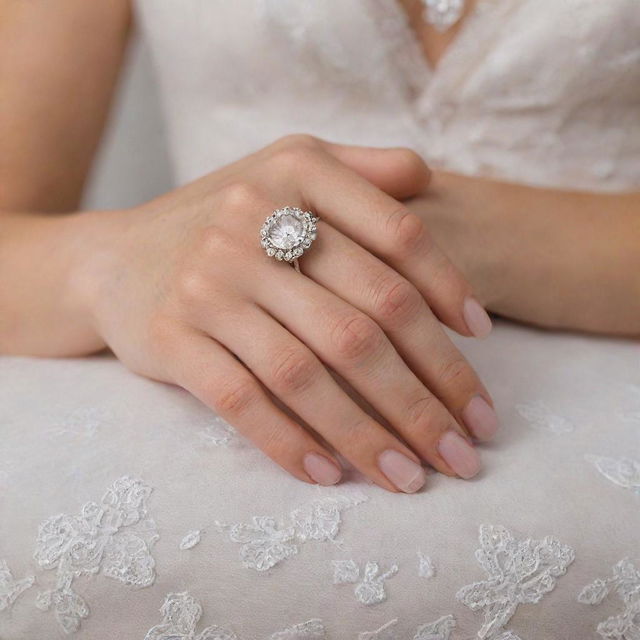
(119, 496)
(570, 408)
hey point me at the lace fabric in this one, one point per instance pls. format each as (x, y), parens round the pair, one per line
(113, 537)
(519, 572)
(625, 581)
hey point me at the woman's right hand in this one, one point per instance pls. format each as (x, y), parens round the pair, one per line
(183, 292)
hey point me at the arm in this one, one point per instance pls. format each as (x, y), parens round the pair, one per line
(557, 259)
(59, 62)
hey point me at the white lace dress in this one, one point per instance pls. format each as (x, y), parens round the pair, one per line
(129, 511)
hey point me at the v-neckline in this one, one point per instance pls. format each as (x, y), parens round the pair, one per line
(432, 67)
(473, 42)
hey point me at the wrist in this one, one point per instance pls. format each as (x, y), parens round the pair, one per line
(97, 262)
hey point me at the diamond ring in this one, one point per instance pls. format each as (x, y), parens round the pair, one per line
(287, 233)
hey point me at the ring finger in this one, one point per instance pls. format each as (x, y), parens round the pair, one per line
(350, 342)
(299, 379)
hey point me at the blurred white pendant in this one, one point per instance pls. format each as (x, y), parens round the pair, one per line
(443, 14)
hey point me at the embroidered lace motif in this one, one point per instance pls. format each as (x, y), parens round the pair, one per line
(191, 539)
(370, 590)
(426, 568)
(624, 472)
(541, 418)
(266, 541)
(217, 432)
(181, 613)
(520, 572)
(114, 537)
(625, 580)
(438, 630)
(83, 422)
(11, 589)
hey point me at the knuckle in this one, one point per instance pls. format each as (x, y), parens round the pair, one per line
(355, 436)
(456, 372)
(234, 397)
(407, 232)
(212, 240)
(238, 196)
(422, 410)
(396, 300)
(293, 155)
(411, 161)
(356, 337)
(275, 441)
(297, 141)
(191, 285)
(294, 371)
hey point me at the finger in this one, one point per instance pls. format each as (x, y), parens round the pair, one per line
(208, 371)
(388, 229)
(399, 309)
(299, 379)
(400, 172)
(356, 347)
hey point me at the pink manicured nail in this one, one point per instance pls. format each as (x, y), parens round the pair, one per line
(405, 474)
(459, 454)
(477, 319)
(321, 469)
(480, 418)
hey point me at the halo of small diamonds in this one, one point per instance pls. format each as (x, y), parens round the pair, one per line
(288, 232)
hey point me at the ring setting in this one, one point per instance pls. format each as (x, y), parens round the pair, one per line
(288, 232)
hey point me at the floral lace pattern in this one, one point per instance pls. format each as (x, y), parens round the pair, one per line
(520, 572)
(181, 613)
(216, 432)
(437, 630)
(114, 536)
(370, 589)
(426, 568)
(267, 541)
(541, 418)
(190, 540)
(625, 580)
(11, 589)
(624, 472)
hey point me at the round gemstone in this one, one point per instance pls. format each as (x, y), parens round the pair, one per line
(286, 231)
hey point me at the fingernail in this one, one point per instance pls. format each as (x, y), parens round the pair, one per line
(480, 418)
(405, 474)
(459, 454)
(321, 469)
(477, 319)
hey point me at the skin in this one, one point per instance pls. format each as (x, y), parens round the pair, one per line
(175, 287)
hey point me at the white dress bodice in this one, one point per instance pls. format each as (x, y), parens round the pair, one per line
(119, 494)
(545, 92)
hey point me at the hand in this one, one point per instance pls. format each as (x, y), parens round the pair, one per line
(185, 294)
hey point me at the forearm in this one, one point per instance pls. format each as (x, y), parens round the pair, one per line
(44, 277)
(551, 258)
